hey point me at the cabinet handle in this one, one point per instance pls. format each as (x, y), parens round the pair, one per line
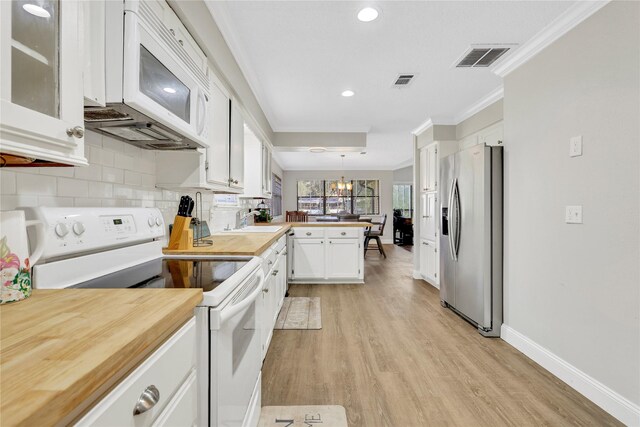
(173, 33)
(308, 233)
(235, 182)
(77, 131)
(265, 290)
(181, 42)
(344, 233)
(270, 262)
(425, 243)
(275, 273)
(147, 400)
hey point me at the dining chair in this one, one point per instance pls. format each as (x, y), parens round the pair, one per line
(297, 216)
(374, 233)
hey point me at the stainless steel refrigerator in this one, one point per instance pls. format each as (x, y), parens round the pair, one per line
(471, 236)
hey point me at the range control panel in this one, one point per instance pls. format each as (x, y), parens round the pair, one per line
(69, 231)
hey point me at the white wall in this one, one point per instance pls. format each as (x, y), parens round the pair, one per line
(290, 191)
(575, 289)
(404, 175)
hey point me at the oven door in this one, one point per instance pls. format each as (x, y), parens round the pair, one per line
(235, 354)
(158, 85)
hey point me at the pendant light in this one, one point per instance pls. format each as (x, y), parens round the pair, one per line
(342, 185)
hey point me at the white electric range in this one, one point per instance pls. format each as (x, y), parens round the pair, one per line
(122, 248)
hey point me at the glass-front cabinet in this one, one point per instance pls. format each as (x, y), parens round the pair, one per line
(41, 81)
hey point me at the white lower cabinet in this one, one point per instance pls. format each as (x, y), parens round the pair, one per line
(429, 261)
(273, 291)
(342, 258)
(308, 258)
(327, 255)
(163, 388)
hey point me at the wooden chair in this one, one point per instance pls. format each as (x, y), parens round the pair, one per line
(297, 216)
(375, 234)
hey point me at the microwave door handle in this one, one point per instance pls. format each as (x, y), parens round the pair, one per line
(228, 313)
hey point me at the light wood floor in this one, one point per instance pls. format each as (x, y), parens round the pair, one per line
(392, 356)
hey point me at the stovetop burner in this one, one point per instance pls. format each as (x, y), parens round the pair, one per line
(206, 274)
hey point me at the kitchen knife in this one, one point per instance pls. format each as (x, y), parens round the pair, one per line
(191, 205)
(182, 208)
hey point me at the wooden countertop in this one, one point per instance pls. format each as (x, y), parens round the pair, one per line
(62, 350)
(234, 243)
(237, 243)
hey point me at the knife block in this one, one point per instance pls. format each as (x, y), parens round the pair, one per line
(181, 235)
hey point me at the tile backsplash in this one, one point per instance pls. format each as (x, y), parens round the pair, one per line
(119, 175)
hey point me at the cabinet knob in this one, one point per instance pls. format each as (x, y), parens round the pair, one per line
(77, 131)
(171, 30)
(275, 273)
(147, 400)
(265, 290)
(344, 233)
(308, 233)
(181, 42)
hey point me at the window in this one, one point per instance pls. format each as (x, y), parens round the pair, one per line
(323, 197)
(276, 195)
(403, 199)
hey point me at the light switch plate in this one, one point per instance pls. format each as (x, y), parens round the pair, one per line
(575, 146)
(573, 215)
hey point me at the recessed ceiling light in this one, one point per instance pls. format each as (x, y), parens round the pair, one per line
(36, 10)
(367, 14)
(169, 90)
(348, 93)
(317, 149)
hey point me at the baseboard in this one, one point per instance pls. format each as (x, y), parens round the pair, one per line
(612, 402)
(417, 275)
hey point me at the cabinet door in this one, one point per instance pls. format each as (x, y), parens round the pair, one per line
(41, 81)
(428, 260)
(308, 259)
(236, 163)
(432, 167)
(429, 215)
(218, 151)
(423, 169)
(343, 258)
(266, 170)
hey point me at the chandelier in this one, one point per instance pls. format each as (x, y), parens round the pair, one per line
(342, 184)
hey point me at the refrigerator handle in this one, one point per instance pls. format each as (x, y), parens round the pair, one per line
(457, 223)
(452, 224)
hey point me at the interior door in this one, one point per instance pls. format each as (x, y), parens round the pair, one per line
(472, 188)
(308, 259)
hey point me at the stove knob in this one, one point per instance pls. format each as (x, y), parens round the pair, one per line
(78, 228)
(150, 222)
(61, 229)
(158, 221)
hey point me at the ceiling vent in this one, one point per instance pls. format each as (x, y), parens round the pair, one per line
(403, 80)
(482, 56)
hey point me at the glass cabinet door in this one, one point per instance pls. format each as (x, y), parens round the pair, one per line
(35, 45)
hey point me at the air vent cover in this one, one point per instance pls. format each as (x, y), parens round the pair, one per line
(482, 56)
(403, 79)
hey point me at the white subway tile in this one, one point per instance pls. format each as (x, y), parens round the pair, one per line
(132, 178)
(112, 175)
(93, 138)
(10, 202)
(132, 150)
(59, 202)
(91, 172)
(122, 192)
(125, 162)
(73, 187)
(148, 180)
(112, 144)
(29, 184)
(147, 164)
(101, 189)
(100, 156)
(57, 171)
(87, 202)
(109, 203)
(8, 182)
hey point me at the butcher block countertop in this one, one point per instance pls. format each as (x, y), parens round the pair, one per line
(238, 243)
(62, 350)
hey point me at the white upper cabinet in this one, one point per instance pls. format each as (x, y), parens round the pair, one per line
(423, 169)
(432, 167)
(236, 161)
(491, 135)
(41, 81)
(257, 166)
(219, 150)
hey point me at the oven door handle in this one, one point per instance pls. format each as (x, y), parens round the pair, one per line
(228, 313)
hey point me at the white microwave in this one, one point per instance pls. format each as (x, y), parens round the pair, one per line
(157, 93)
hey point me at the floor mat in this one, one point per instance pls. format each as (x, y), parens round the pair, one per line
(300, 313)
(298, 416)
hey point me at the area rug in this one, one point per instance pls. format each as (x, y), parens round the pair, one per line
(298, 416)
(300, 313)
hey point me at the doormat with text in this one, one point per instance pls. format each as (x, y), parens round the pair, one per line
(303, 416)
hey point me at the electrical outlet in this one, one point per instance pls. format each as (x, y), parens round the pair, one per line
(573, 215)
(575, 146)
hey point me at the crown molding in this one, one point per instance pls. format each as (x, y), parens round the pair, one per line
(443, 121)
(569, 19)
(484, 102)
